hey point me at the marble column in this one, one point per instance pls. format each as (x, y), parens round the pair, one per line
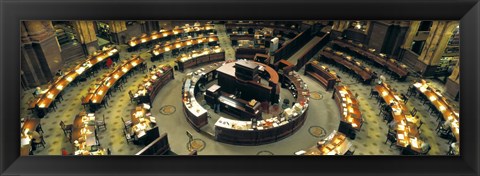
(434, 47)
(119, 30)
(40, 52)
(86, 34)
(452, 87)
(410, 35)
(338, 28)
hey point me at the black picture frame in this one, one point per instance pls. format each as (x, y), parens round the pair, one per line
(12, 12)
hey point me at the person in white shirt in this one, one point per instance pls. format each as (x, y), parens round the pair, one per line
(447, 124)
(425, 147)
(381, 79)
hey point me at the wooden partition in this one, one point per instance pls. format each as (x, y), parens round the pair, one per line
(310, 52)
(159, 146)
(293, 45)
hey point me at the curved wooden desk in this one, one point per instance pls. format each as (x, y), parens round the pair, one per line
(159, 50)
(196, 58)
(152, 83)
(390, 64)
(322, 74)
(437, 100)
(270, 130)
(135, 42)
(266, 131)
(42, 103)
(83, 133)
(194, 112)
(95, 96)
(335, 144)
(347, 61)
(406, 128)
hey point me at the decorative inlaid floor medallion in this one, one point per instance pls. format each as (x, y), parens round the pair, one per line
(317, 131)
(167, 109)
(265, 152)
(196, 144)
(316, 95)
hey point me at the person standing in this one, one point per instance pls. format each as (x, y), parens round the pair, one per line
(36, 138)
(216, 104)
(64, 152)
(109, 62)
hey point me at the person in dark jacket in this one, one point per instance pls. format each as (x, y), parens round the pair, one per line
(216, 104)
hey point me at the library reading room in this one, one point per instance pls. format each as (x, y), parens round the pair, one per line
(239, 88)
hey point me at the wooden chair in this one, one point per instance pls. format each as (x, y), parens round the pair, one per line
(392, 138)
(350, 152)
(126, 124)
(413, 111)
(101, 123)
(127, 136)
(67, 129)
(41, 143)
(421, 123)
(374, 93)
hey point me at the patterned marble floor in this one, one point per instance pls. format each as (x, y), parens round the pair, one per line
(323, 117)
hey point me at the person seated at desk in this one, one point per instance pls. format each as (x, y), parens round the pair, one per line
(59, 73)
(36, 138)
(445, 127)
(238, 93)
(392, 126)
(381, 79)
(425, 147)
(447, 124)
(38, 91)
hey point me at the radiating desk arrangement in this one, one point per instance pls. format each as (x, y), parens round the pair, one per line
(440, 103)
(351, 118)
(277, 27)
(328, 78)
(142, 121)
(406, 124)
(46, 100)
(199, 57)
(335, 144)
(136, 42)
(159, 49)
(379, 58)
(97, 93)
(30, 124)
(364, 72)
(152, 83)
(84, 135)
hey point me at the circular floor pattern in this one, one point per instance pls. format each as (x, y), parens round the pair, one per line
(196, 144)
(167, 109)
(265, 152)
(317, 131)
(316, 95)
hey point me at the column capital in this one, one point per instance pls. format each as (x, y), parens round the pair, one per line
(39, 30)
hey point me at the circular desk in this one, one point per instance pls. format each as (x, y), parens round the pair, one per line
(240, 132)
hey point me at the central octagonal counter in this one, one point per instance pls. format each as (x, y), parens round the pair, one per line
(249, 127)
